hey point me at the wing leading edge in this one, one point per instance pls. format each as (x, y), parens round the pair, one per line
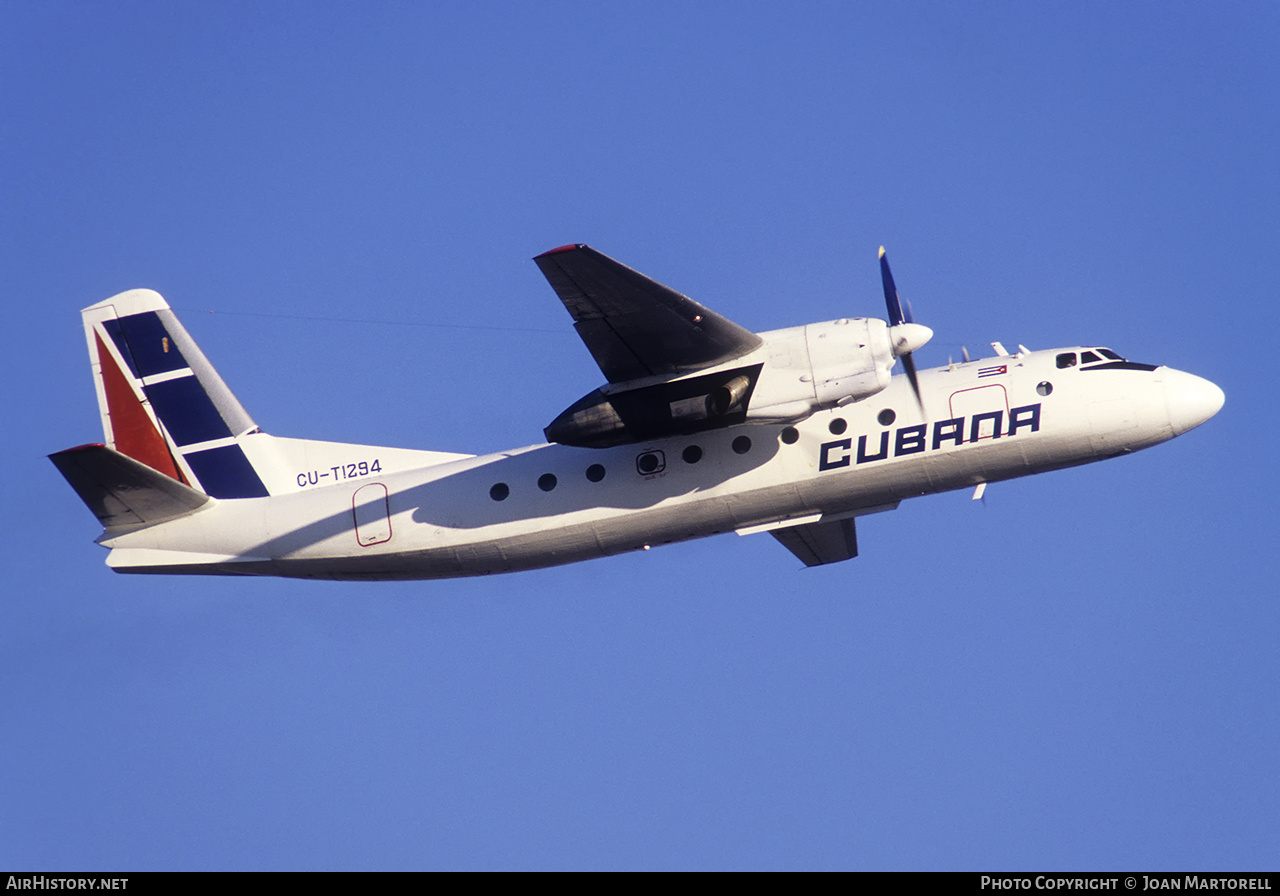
(635, 327)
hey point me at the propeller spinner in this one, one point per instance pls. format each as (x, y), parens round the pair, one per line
(905, 335)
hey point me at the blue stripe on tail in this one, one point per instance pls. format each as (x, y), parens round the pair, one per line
(226, 473)
(184, 407)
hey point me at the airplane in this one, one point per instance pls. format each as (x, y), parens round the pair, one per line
(702, 427)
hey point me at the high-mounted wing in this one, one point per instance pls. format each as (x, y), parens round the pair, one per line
(633, 326)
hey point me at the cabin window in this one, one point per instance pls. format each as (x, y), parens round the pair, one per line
(741, 445)
(1044, 388)
(547, 481)
(790, 435)
(837, 426)
(692, 454)
(499, 491)
(1067, 359)
(885, 417)
(595, 473)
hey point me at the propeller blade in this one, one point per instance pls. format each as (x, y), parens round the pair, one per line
(909, 365)
(897, 317)
(891, 300)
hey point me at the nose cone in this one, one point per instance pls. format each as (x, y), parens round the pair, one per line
(908, 337)
(1190, 400)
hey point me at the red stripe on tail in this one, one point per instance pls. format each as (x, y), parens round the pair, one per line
(132, 430)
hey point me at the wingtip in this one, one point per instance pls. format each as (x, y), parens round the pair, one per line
(559, 249)
(89, 446)
(882, 251)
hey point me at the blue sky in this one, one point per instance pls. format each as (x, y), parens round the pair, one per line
(341, 202)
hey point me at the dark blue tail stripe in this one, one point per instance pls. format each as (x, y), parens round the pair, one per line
(186, 411)
(145, 344)
(226, 473)
(184, 407)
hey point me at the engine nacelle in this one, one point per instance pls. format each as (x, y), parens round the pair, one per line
(821, 366)
(794, 373)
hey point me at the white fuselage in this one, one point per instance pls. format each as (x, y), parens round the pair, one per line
(543, 505)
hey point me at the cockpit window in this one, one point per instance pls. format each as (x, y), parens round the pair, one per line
(1109, 360)
(1067, 359)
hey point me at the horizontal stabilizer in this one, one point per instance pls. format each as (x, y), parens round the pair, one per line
(817, 544)
(122, 491)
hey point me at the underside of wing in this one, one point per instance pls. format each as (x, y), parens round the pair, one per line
(635, 327)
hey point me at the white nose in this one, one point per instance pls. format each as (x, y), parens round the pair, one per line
(908, 337)
(1190, 400)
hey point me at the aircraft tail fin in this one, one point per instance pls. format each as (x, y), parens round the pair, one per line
(162, 403)
(122, 491)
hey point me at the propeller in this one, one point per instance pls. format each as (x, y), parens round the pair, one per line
(905, 335)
